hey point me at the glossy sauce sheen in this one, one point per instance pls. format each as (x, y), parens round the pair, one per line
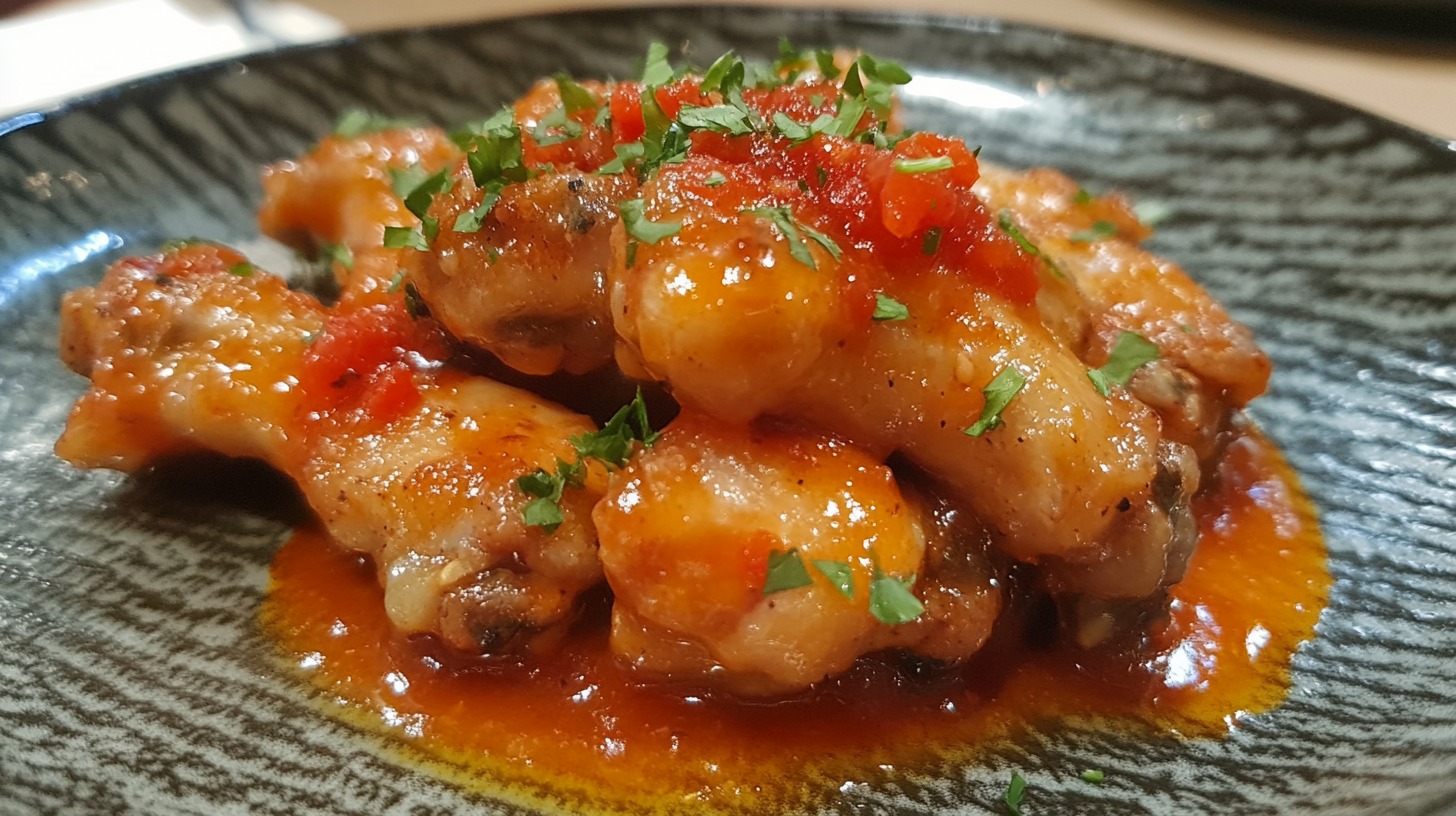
(575, 730)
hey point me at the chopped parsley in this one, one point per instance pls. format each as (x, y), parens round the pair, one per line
(929, 164)
(656, 70)
(783, 220)
(717, 118)
(405, 238)
(354, 123)
(1099, 231)
(827, 67)
(1130, 352)
(395, 282)
(242, 270)
(1152, 213)
(630, 152)
(931, 242)
(1094, 776)
(472, 219)
(556, 127)
(414, 305)
(339, 254)
(612, 446)
(999, 393)
(891, 601)
(887, 308)
(574, 98)
(1008, 226)
(720, 70)
(715, 179)
(634, 218)
(1082, 197)
(1014, 793)
(841, 576)
(785, 571)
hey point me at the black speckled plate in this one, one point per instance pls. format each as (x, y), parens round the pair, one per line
(133, 677)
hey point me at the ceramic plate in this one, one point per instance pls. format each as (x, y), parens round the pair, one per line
(134, 675)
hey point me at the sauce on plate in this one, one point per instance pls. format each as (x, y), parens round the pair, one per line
(573, 730)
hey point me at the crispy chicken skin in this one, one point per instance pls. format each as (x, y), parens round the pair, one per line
(406, 461)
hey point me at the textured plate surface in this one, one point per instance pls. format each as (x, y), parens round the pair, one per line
(133, 677)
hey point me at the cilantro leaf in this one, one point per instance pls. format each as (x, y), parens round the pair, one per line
(1100, 231)
(355, 122)
(613, 443)
(629, 152)
(999, 393)
(406, 238)
(929, 164)
(1014, 793)
(1131, 352)
(891, 601)
(656, 70)
(718, 118)
(887, 308)
(785, 571)
(783, 220)
(841, 576)
(1008, 226)
(242, 270)
(574, 98)
(1094, 776)
(555, 128)
(720, 70)
(472, 219)
(825, 61)
(634, 217)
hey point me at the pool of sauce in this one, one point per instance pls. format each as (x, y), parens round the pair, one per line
(573, 730)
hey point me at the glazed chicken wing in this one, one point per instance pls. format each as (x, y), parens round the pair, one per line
(413, 464)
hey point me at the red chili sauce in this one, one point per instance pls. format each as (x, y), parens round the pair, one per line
(574, 729)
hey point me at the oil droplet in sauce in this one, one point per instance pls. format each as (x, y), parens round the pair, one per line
(573, 729)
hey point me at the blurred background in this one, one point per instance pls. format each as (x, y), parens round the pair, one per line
(1393, 57)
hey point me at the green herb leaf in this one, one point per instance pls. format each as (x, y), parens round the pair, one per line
(999, 393)
(417, 199)
(634, 218)
(1008, 226)
(791, 129)
(414, 305)
(883, 70)
(847, 118)
(406, 238)
(785, 571)
(555, 128)
(887, 308)
(574, 97)
(1100, 231)
(405, 179)
(242, 270)
(1014, 793)
(841, 576)
(1130, 352)
(827, 68)
(783, 219)
(931, 242)
(613, 443)
(927, 165)
(1093, 776)
(718, 118)
(472, 219)
(1152, 213)
(656, 70)
(630, 152)
(1082, 197)
(719, 70)
(339, 254)
(891, 601)
(544, 513)
(395, 282)
(715, 179)
(355, 123)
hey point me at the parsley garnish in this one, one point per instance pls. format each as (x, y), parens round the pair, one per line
(720, 70)
(887, 308)
(1100, 231)
(574, 98)
(629, 152)
(1014, 792)
(395, 282)
(472, 219)
(929, 164)
(783, 219)
(1152, 213)
(242, 270)
(355, 123)
(418, 191)
(405, 238)
(556, 127)
(785, 571)
(1129, 353)
(634, 218)
(891, 601)
(414, 305)
(1093, 776)
(718, 118)
(612, 445)
(841, 576)
(931, 242)
(825, 61)
(656, 70)
(1008, 226)
(1082, 197)
(339, 254)
(715, 179)
(999, 393)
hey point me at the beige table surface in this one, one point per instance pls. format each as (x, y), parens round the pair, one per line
(1410, 82)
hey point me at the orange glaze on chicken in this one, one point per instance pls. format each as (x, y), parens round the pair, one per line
(579, 728)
